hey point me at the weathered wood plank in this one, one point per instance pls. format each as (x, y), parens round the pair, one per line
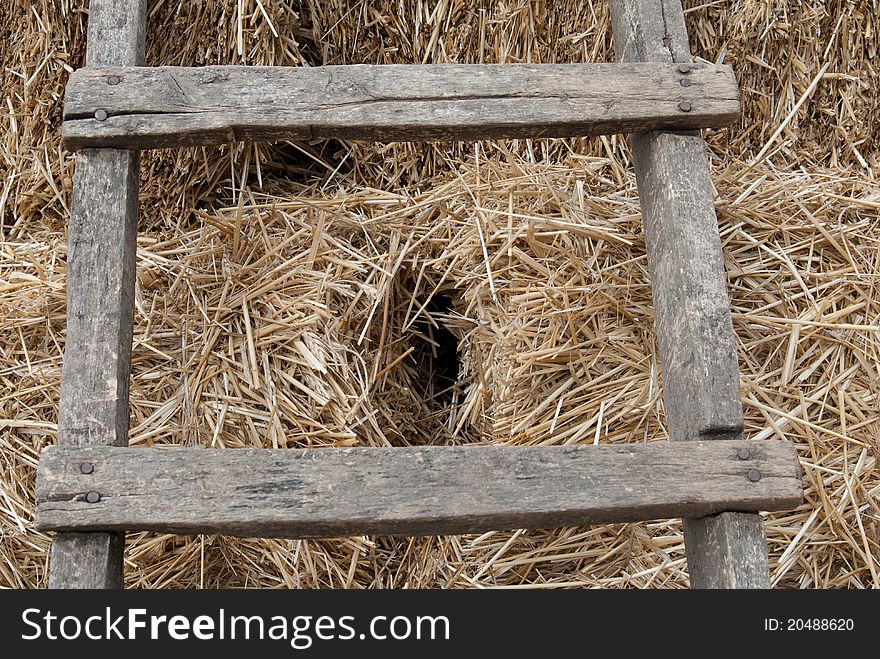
(100, 299)
(100, 293)
(140, 108)
(689, 287)
(336, 492)
(738, 536)
(87, 560)
(691, 305)
(117, 33)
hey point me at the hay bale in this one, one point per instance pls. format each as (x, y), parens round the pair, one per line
(336, 294)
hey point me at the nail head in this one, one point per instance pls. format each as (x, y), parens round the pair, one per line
(100, 115)
(685, 82)
(113, 80)
(684, 68)
(743, 454)
(685, 106)
(754, 475)
(87, 467)
(93, 497)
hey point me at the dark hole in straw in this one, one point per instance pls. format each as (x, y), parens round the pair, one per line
(435, 353)
(306, 161)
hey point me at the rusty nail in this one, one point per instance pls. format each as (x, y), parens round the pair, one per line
(685, 106)
(93, 497)
(87, 467)
(100, 115)
(685, 82)
(684, 68)
(754, 475)
(743, 454)
(113, 80)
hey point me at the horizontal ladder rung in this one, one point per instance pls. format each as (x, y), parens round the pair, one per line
(145, 108)
(319, 493)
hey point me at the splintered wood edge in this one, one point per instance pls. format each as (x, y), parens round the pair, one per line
(320, 493)
(162, 107)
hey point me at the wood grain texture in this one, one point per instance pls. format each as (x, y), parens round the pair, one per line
(691, 305)
(174, 106)
(87, 560)
(116, 33)
(649, 31)
(739, 536)
(100, 299)
(689, 287)
(309, 493)
(100, 294)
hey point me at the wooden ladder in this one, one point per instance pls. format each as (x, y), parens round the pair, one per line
(91, 488)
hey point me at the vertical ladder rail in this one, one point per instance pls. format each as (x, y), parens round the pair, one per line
(691, 306)
(102, 238)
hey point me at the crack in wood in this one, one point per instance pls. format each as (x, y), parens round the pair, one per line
(306, 492)
(173, 106)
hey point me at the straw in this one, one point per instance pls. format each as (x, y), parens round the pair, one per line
(357, 294)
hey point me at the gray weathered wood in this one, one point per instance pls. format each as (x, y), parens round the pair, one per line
(426, 490)
(117, 32)
(100, 299)
(737, 536)
(691, 306)
(142, 108)
(100, 293)
(689, 287)
(87, 560)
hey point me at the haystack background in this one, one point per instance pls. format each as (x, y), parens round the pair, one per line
(288, 294)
